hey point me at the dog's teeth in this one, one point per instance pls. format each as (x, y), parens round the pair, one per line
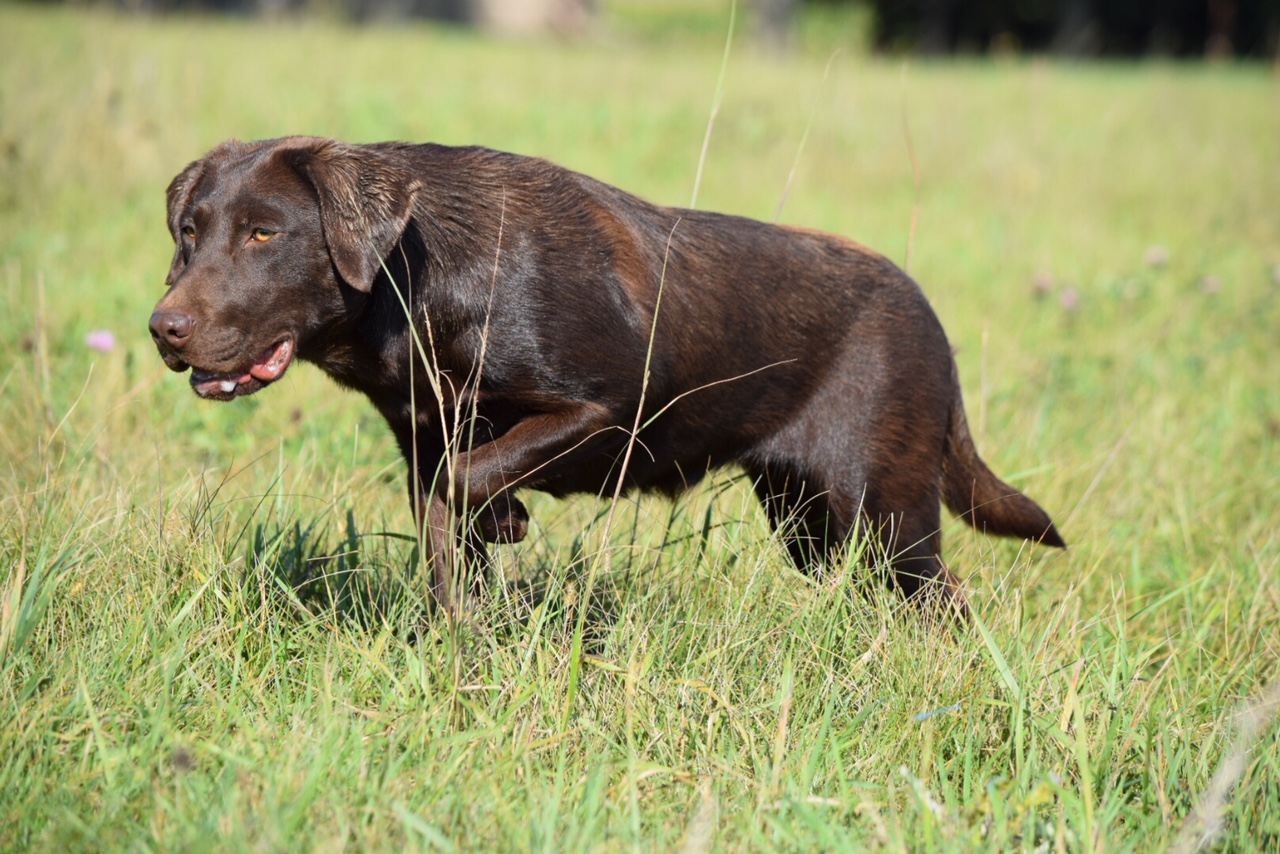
(228, 386)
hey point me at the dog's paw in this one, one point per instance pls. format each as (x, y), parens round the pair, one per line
(505, 520)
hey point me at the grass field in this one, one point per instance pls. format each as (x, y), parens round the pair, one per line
(207, 612)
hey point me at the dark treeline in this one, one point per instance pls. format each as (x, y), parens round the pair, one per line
(1181, 28)
(1184, 28)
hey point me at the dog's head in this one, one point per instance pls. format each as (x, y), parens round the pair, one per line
(277, 242)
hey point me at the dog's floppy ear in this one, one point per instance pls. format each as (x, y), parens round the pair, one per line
(181, 189)
(365, 204)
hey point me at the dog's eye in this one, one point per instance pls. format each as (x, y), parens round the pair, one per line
(189, 232)
(261, 235)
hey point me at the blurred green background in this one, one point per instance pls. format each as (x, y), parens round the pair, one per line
(206, 635)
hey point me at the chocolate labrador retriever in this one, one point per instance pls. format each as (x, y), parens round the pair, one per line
(523, 326)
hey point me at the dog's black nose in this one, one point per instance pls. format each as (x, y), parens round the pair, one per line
(171, 328)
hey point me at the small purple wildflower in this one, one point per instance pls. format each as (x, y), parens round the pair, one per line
(1155, 256)
(1210, 285)
(1070, 299)
(102, 340)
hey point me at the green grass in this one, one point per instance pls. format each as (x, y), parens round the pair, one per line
(207, 612)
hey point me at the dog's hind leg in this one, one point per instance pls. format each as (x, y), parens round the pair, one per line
(800, 513)
(910, 544)
(816, 521)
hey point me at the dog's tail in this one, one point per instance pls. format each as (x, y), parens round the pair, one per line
(977, 496)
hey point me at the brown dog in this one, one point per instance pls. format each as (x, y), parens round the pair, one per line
(523, 326)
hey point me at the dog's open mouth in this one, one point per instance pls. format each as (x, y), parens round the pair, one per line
(268, 368)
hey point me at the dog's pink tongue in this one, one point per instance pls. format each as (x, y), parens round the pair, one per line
(206, 384)
(273, 362)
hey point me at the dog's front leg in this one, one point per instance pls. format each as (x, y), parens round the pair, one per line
(454, 552)
(537, 448)
(457, 556)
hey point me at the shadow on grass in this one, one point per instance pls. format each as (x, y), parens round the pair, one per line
(372, 579)
(338, 574)
(558, 594)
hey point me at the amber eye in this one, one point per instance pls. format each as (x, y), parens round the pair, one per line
(261, 235)
(189, 232)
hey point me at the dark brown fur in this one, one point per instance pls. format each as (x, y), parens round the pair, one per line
(541, 300)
